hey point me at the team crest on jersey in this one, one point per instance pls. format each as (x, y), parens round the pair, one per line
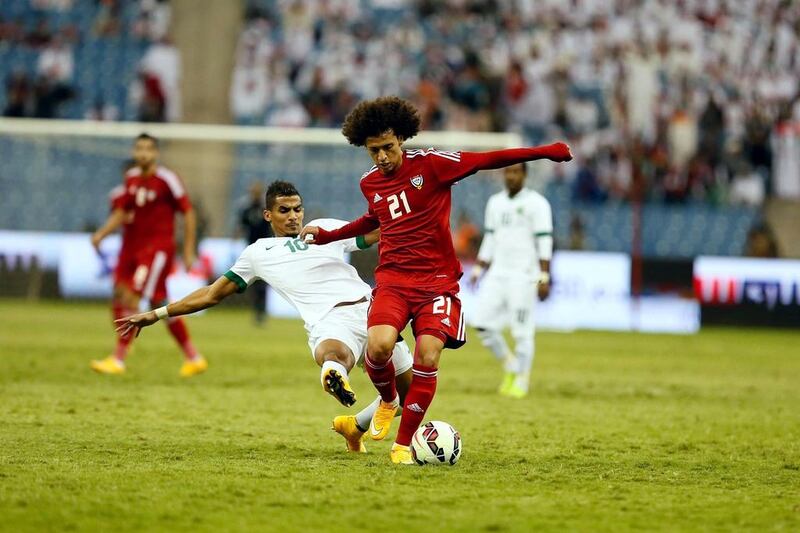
(417, 181)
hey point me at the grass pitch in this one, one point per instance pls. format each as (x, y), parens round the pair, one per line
(622, 432)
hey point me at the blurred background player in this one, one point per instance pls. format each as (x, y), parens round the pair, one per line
(408, 193)
(516, 249)
(326, 290)
(152, 196)
(254, 227)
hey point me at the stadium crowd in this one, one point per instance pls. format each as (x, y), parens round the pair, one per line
(673, 100)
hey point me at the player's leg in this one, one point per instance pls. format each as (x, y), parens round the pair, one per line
(490, 317)
(336, 360)
(523, 328)
(155, 290)
(388, 314)
(124, 302)
(439, 322)
(354, 427)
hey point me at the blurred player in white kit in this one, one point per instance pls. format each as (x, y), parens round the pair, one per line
(514, 271)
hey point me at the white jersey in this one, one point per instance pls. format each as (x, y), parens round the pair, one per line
(518, 233)
(312, 278)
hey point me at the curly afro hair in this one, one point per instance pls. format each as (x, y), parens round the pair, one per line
(372, 118)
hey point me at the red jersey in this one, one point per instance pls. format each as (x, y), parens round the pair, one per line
(412, 208)
(153, 201)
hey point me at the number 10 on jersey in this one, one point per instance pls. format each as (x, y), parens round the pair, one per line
(398, 205)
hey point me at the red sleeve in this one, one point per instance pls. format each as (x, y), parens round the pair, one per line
(360, 226)
(183, 204)
(117, 197)
(450, 167)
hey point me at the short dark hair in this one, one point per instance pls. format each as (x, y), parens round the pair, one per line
(279, 188)
(372, 118)
(146, 137)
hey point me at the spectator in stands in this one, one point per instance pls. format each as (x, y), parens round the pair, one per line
(161, 75)
(107, 23)
(577, 234)
(19, 99)
(761, 242)
(153, 20)
(57, 62)
(40, 35)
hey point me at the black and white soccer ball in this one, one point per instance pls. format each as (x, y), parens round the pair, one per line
(436, 443)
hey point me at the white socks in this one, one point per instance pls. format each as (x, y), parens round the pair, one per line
(364, 416)
(497, 344)
(334, 365)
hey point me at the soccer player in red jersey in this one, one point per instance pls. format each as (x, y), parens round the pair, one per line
(147, 205)
(408, 192)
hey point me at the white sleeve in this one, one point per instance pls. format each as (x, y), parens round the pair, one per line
(349, 245)
(486, 251)
(242, 273)
(543, 229)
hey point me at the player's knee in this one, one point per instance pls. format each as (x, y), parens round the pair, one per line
(380, 350)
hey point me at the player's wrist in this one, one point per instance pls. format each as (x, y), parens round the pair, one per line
(477, 270)
(161, 313)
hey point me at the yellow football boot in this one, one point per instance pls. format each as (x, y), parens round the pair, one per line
(515, 391)
(382, 420)
(401, 455)
(192, 367)
(109, 365)
(347, 428)
(507, 384)
(337, 386)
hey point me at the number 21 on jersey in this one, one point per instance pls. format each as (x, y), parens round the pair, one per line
(398, 205)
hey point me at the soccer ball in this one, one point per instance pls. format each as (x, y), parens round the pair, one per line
(436, 443)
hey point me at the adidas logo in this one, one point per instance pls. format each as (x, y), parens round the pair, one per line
(446, 321)
(415, 407)
(377, 198)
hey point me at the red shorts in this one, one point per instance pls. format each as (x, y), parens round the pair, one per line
(145, 272)
(432, 312)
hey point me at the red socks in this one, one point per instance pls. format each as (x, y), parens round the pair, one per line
(382, 377)
(177, 327)
(419, 398)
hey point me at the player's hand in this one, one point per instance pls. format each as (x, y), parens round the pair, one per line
(134, 323)
(309, 234)
(96, 240)
(560, 152)
(543, 290)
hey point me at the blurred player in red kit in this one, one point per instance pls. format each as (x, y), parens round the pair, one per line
(408, 193)
(146, 204)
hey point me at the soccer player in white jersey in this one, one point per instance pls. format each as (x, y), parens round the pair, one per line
(320, 284)
(516, 250)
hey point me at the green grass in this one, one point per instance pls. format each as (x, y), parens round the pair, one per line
(622, 432)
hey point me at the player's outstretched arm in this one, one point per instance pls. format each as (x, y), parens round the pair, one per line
(558, 152)
(200, 299)
(360, 226)
(114, 220)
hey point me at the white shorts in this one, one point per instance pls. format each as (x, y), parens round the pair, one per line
(348, 324)
(506, 301)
